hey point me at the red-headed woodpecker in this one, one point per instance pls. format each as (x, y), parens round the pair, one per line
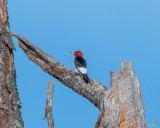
(80, 66)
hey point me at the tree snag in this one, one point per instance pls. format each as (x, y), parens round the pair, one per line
(10, 115)
(48, 109)
(123, 102)
(121, 106)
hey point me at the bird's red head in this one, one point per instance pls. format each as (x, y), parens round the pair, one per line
(78, 54)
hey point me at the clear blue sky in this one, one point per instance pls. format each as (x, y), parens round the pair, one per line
(106, 31)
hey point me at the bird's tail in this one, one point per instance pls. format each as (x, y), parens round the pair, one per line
(86, 78)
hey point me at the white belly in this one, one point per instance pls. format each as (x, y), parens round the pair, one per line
(82, 70)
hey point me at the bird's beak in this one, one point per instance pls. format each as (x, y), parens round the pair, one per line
(72, 53)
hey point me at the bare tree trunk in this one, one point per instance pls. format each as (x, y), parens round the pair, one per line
(121, 106)
(48, 109)
(10, 115)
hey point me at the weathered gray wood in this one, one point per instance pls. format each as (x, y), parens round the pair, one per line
(123, 102)
(10, 115)
(48, 109)
(94, 93)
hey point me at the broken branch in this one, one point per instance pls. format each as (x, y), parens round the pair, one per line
(48, 109)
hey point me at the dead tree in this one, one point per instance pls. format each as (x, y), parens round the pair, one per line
(121, 106)
(10, 115)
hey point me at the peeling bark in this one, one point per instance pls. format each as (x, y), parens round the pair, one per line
(48, 109)
(4, 25)
(120, 107)
(10, 115)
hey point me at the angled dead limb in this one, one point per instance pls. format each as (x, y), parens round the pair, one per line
(48, 109)
(94, 93)
(120, 107)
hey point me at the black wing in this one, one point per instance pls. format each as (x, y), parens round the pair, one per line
(80, 62)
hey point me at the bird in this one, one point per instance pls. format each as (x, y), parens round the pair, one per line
(80, 66)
